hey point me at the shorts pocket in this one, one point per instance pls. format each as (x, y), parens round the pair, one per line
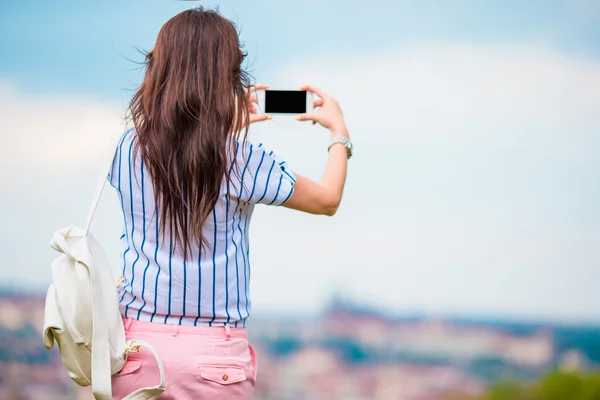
(254, 365)
(223, 374)
(130, 367)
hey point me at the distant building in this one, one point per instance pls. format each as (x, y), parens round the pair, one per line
(572, 360)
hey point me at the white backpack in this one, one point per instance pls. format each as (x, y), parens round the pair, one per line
(82, 311)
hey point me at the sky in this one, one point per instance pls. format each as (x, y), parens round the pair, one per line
(473, 190)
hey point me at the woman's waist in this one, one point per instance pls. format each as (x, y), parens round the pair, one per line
(136, 326)
(186, 305)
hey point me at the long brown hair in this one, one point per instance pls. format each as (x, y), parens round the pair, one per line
(188, 113)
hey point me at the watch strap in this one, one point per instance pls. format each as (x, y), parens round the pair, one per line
(343, 141)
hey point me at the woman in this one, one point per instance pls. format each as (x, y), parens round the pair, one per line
(188, 182)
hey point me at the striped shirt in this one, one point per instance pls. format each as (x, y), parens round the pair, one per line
(213, 286)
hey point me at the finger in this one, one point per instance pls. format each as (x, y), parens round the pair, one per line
(259, 117)
(253, 99)
(308, 117)
(260, 86)
(318, 103)
(314, 89)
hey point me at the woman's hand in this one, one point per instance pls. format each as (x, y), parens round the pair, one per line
(329, 115)
(253, 115)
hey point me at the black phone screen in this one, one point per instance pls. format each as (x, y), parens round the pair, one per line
(285, 101)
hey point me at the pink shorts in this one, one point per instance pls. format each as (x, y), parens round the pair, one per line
(199, 362)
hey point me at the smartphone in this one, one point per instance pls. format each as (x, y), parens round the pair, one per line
(287, 101)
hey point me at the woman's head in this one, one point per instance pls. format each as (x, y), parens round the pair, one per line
(184, 114)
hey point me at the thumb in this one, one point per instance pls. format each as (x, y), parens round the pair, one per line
(308, 117)
(259, 117)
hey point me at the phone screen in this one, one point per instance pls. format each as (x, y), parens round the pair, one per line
(285, 101)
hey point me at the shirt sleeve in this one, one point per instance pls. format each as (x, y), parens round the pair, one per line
(113, 173)
(266, 178)
(121, 154)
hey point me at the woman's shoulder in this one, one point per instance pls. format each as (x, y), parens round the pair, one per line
(264, 172)
(126, 137)
(259, 159)
(248, 152)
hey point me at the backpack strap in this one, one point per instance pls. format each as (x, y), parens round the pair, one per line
(149, 393)
(107, 166)
(101, 365)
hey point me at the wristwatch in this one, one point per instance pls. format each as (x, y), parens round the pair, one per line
(344, 141)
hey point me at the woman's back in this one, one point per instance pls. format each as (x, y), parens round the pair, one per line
(211, 286)
(188, 182)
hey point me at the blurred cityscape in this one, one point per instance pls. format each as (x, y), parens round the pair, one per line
(346, 353)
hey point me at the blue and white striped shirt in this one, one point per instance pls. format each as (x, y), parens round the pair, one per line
(212, 287)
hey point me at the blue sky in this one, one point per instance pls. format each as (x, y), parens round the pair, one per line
(67, 46)
(473, 189)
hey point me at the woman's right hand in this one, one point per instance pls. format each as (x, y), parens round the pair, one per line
(329, 115)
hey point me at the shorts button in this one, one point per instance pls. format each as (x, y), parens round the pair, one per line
(225, 377)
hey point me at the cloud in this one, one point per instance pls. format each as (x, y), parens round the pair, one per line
(52, 135)
(51, 155)
(472, 190)
(495, 116)
(460, 87)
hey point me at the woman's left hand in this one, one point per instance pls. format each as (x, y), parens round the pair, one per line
(253, 115)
